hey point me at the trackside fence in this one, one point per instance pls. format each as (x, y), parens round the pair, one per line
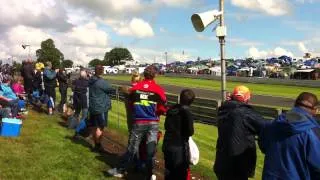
(206, 110)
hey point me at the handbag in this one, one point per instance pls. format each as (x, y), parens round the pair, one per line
(194, 153)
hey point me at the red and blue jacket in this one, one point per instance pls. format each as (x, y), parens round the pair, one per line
(148, 102)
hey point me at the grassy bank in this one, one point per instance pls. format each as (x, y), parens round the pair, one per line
(261, 89)
(44, 151)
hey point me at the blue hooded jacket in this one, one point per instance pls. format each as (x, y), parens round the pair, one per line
(291, 145)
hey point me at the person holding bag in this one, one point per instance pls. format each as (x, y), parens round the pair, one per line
(179, 129)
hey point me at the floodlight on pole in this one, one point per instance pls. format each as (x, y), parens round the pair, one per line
(202, 20)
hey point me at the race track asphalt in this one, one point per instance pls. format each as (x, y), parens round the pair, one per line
(211, 94)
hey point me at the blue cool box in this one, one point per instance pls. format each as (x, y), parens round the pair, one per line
(10, 127)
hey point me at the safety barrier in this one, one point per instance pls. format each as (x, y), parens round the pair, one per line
(206, 110)
(255, 80)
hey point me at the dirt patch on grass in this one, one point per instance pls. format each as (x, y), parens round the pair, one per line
(115, 145)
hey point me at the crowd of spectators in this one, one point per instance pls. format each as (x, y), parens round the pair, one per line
(290, 142)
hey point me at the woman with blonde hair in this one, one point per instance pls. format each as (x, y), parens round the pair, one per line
(135, 78)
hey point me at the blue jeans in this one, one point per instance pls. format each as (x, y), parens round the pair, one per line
(82, 124)
(84, 113)
(150, 131)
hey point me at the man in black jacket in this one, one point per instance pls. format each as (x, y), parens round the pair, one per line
(63, 87)
(27, 72)
(238, 124)
(80, 99)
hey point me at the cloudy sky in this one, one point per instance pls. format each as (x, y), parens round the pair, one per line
(86, 29)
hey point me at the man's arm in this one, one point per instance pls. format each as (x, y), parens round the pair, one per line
(254, 122)
(4, 98)
(313, 153)
(188, 118)
(107, 88)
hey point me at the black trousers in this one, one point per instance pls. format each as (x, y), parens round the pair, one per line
(28, 87)
(176, 163)
(51, 92)
(63, 93)
(231, 177)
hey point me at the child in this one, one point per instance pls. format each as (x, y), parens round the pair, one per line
(18, 87)
(135, 78)
(179, 127)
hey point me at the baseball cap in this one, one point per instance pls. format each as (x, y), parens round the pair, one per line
(241, 93)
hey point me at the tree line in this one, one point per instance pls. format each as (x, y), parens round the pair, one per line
(48, 52)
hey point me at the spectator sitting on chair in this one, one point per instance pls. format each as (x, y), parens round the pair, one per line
(18, 87)
(8, 97)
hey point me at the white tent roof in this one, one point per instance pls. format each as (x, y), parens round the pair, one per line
(305, 70)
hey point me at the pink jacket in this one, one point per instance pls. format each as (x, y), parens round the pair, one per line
(18, 88)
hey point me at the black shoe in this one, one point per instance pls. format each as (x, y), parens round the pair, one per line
(97, 148)
(76, 136)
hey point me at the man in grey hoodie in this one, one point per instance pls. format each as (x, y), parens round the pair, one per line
(99, 105)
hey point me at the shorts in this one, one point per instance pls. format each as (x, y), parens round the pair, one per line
(99, 120)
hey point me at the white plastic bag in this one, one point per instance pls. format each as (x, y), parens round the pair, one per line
(193, 152)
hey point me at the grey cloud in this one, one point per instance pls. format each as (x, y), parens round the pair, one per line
(54, 17)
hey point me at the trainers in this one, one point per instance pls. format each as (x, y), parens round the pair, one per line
(76, 136)
(20, 117)
(97, 148)
(153, 177)
(116, 172)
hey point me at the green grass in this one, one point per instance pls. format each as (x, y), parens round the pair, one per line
(43, 151)
(260, 89)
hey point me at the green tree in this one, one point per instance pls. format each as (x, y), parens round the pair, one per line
(95, 62)
(16, 66)
(49, 52)
(116, 56)
(67, 63)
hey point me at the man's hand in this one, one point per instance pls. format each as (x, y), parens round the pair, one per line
(125, 89)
